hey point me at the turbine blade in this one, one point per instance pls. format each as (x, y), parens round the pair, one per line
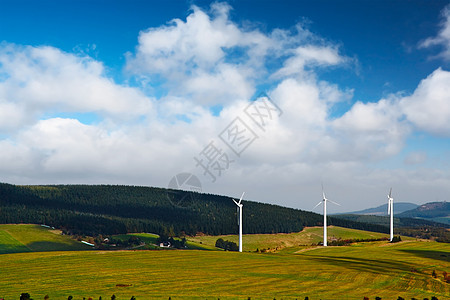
(241, 197)
(235, 202)
(390, 193)
(334, 202)
(317, 204)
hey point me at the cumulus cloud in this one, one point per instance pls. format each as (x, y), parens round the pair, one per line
(46, 79)
(193, 55)
(428, 108)
(215, 61)
(372, 130)
(204, 61)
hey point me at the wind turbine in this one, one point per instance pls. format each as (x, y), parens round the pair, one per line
(324, 202)
(391, 212)
(239, 208)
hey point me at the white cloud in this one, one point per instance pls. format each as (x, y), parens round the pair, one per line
(372, 130)
(414, 158)
(215, 61)
(443, 37)
(310, 56)
(45, 79)
(428, 107)
(193, 56)
(204, 61)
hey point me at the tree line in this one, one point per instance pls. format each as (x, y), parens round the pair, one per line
(116, 209)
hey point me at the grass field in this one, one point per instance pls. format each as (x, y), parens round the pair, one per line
(31, 238)
(293, 272)
(151, 240)
(373, 269)
(289, 242)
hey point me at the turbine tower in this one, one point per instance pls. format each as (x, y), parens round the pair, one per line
(324, 202)
(239, 208)
(391, 213)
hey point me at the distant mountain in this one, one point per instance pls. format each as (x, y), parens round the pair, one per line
(399, 207)
(433, 211)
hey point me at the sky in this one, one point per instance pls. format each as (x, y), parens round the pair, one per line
(274, 98)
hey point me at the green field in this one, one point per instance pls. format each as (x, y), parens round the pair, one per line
(293, 272)
(35, 238)
(290, 242)
(151, 241)
(375, 269)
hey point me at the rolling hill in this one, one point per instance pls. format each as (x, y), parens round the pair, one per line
(382, 209)
(108, 209)
(365, 270)
(292, 242)
(35, 238)
(433, 211)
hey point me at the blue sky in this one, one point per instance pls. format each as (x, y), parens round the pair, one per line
(130, 92)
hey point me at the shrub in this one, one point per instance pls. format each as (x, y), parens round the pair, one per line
(396, 239)
(226, 245)
(25, 296)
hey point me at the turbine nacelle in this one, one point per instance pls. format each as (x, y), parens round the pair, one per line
(240, 200)
(325, 199)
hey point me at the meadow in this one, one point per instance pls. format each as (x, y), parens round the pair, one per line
(16, 238)
(349, 272)
(290, 242)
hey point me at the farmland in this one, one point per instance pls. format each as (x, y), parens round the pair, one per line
(32, 238)
(349, 272)
(291, 241)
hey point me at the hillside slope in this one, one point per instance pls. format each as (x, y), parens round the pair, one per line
(291, 242)
(433, 211)
(35, 238)
(382, 209)
(388, 271)
(107, 209)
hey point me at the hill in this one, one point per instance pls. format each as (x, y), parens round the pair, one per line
(111, 209)
(433, 211)
(416, 227)
(367, 270)
(382, 209)
(290, 242)
(35, 238)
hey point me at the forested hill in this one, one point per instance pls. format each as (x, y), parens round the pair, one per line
(112, 209)
(433, 211)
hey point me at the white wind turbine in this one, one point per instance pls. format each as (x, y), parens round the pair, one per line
(324, 202)
(239, 208)
(391, 213)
